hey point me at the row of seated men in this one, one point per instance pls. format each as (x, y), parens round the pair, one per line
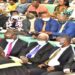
(50, 26)
(38, 58)
(45, 24)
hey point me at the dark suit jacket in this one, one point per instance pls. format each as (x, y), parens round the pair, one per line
(64, 58)
(71, 63)
(18, 47)
(26, 25)
(42, 55)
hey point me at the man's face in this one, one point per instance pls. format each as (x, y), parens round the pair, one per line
(35, 4)
(45, 17)
(62, 18)
(62, 41)
(41, 38)
(8, 35)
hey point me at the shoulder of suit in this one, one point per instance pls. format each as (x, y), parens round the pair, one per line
(3, 40)
(21, 41)
(33, 43)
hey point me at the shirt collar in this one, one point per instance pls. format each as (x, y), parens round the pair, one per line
(64, 48)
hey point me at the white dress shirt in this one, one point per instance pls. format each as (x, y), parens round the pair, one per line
(54, 61)
(6, 48)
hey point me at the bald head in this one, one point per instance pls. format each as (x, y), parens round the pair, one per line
(43, 36)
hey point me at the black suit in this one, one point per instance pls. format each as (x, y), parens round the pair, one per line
(71, 63)
(41, 56)
(18, 47)
(62, 59)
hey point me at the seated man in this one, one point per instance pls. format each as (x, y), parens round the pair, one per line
(11, 44)
(28, 23)
(46, 24)
(22, 7)
(70, 65)
(11, 65)
(57, 59)
(37, 7)
(65, 27)
(37, 52)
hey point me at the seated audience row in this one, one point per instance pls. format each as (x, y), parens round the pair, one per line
(38, 57)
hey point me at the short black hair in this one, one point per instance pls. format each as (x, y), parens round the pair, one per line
(13, 12)
(67, 37)
(37, 1)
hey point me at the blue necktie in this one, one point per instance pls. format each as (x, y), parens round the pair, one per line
(29, 55)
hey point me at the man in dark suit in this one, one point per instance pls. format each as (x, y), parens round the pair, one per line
(70, 65)
(35, 55)
(57, 60)
(11, 44)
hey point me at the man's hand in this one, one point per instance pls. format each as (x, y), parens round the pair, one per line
(41, 65)
(49, 69)
(49, 33)
(24, 59)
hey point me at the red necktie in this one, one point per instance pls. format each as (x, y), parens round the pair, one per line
(9, 48)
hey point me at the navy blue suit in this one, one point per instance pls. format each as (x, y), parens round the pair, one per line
(69, 29)
(51, 25)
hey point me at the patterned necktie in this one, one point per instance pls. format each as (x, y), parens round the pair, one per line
(53, 55)
(9, 49)
(29, 55)
(44, 26)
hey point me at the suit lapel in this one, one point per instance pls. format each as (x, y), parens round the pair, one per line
(43, 49)
(16, 46)
(66, 52)
(32, 45)
(66, 55)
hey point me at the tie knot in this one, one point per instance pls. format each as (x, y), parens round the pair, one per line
(44, 22)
